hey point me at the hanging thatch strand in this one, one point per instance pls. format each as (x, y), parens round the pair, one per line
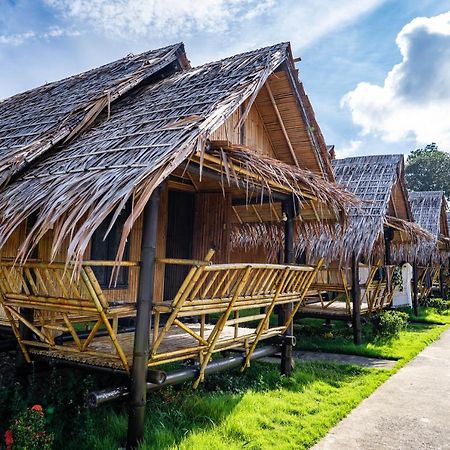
(298, 181)
(129, 150)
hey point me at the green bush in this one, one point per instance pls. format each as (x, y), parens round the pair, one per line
(28, 431)
(388, 324)
(439, 304)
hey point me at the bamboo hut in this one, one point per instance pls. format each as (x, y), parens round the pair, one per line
(119, 190)
(430, 212)
(357, 277)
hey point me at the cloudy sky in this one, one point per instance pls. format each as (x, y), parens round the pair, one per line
(377, 71)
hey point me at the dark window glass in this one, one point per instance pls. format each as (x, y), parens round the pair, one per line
(105, 249)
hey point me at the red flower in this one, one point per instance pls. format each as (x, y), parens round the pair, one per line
(37, 408)
(9, 438)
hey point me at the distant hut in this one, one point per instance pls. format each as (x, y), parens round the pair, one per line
(363, 257)
(119, 187)
(430, 212)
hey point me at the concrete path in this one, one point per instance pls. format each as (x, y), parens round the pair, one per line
(362, 361)
(411, 411)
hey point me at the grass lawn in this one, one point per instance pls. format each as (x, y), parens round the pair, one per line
(255, 410)
(312, 335)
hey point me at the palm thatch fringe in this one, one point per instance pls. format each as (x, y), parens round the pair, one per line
(296, 180)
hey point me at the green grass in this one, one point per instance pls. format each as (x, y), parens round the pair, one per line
(257, 410)
(429, 315)
(254, 410)
(312, 335)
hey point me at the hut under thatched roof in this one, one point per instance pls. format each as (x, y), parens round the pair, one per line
(429, 209)
(131, 174)
(378, 180)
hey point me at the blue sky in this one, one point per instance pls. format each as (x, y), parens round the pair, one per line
(377, 71)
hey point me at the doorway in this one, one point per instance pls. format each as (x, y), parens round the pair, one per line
(180, 230)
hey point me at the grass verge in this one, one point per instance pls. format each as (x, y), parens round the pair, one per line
(255, 410)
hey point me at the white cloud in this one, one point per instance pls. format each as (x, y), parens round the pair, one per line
(350, 149)
(250, 22)
(168, 17)
(22, 38)
(414, 101)
(16, 39)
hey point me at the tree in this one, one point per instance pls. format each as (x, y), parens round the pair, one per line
(428, 169)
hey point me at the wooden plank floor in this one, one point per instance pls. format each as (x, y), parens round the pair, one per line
(176, 339)
(335, 309)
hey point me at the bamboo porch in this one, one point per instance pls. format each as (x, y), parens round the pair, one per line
(240, 297)
(376, 292)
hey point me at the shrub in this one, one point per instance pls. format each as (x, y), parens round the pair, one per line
(439, 304)
(28, 431)
(388, 324)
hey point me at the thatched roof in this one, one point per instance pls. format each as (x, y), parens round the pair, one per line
(430, 211)
(372, 179)
(34, 121)
(128, 150)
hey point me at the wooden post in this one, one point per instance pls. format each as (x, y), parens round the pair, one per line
(286, 310)
(442, 281)
(141, 350)
(356, 301)
(388, 236)
(415, 289)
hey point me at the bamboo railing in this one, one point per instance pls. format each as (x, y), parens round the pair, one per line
(376, 294)
(61, 301)
(239, 297)
(218, 307)
(428, 279)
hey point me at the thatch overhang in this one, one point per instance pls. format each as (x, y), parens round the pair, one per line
(135, 144)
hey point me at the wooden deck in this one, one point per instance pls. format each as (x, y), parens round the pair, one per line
(337, 309)
(175, 340)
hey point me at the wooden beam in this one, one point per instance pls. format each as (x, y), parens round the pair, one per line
(283, 128)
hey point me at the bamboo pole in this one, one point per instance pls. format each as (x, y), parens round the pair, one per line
(356, 294)
(415, 288)
(286, 310)
(141, 350)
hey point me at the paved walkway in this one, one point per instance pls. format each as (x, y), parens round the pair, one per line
(362, 361)
(411, 411)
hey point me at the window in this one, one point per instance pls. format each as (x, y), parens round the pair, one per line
(105, 249)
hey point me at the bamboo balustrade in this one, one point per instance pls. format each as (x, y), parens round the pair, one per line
(218, 307)
(428, 279)
(234, 296)
(376, 294)
(63, 302)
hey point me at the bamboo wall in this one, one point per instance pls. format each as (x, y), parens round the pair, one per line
(10, 251)
(254, 133)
